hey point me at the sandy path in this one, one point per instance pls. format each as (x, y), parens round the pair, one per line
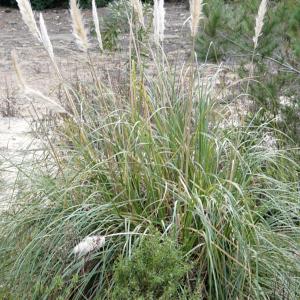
(16, 140)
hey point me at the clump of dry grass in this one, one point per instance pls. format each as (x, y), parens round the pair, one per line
(159, 20)
(28, 17)
(79, 30)
(260, 21)
(196, 9)
(97, 26)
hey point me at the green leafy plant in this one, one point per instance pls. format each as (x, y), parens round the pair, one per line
(154, 271)
(116, 23)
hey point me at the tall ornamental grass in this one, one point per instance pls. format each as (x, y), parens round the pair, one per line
(154, 160)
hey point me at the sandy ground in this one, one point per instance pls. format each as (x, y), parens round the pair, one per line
(16, 145)
(16, 112)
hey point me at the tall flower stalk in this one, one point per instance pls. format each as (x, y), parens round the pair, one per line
(259, 23)
(196, 10)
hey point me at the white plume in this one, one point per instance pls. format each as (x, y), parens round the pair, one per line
(89, 244)
(159, 20)
(28, 17)
(96, 23)
(260, 21)
(45, 38)
(79, 30)
(196, 9)
(138, 8)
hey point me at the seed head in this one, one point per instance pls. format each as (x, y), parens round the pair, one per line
(96, 23)
(79, 30)
(45, 38)
(196, 9)
(89, 244)
(260, 21)
(159, 21)
(28, 17)
(138, 9)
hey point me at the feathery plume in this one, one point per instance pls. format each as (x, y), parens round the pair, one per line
(79, 31)
(45, 38)
(260, 21)
(27, 90)
(138, 8)
(96, 23)
(196, 10)
(28, 17)
(89, 244)
(159, 20)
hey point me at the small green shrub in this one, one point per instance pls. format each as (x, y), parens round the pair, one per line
(154, 271)
(116, 23)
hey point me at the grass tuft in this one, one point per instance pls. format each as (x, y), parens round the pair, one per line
(151, 190)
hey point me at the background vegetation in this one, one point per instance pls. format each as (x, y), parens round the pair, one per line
(43, 4)
(227, 36)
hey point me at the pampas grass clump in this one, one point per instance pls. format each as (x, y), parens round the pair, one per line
(157, 163)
